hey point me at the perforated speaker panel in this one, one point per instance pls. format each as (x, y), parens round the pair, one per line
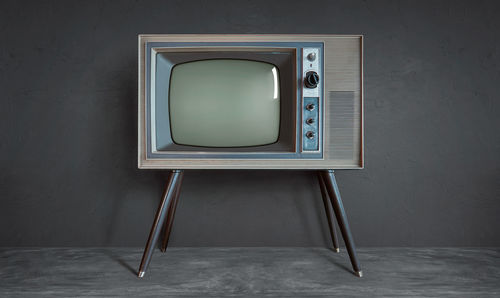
(344, 126)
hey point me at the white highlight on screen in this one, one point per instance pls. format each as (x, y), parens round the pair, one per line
(275, 76)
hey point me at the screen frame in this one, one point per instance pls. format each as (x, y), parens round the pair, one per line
(166, 62)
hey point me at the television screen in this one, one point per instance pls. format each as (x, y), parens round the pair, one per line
(224, 103)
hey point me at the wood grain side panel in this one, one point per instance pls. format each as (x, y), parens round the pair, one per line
(343, 73)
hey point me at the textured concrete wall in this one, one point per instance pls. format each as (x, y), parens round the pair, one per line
(68, 112)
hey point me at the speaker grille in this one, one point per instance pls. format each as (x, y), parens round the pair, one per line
(344, 126)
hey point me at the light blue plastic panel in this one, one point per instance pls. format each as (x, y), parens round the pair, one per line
(310, 124)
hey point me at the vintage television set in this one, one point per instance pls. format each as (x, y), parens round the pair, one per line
(250, 102)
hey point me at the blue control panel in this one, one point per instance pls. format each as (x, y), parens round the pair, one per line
(310, 124)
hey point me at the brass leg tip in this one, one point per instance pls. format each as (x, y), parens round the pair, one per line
(359, 273)
(337, 250)
(141, 274)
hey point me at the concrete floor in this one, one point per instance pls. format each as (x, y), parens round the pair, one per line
(250, 272)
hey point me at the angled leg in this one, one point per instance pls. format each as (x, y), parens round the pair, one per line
(338, 208)
(171, 214)
(328, 212)
(159, 220)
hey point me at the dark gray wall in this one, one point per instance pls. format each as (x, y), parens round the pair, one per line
(68, 112)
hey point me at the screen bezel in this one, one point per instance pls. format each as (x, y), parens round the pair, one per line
(283, 59)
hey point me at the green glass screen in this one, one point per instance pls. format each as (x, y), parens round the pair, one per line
(224, 103)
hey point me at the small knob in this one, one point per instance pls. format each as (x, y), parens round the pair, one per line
(310, 121)
(311, 57)
(311, 80)
(310, 107)
(310, 135)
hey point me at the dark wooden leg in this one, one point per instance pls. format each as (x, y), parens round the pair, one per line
(338, 208)
(171, 214)
(328, 212)
(159, 220)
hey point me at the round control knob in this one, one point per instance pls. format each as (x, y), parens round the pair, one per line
(310, 121)
(310, 107)
(311, 80)
(311, 57)
(310, 135)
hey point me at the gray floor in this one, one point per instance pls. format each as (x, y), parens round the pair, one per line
(256, 272)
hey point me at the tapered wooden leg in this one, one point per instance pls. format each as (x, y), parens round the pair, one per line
(171, 215)
(328, 212)
(334, 193)
(159, 220)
